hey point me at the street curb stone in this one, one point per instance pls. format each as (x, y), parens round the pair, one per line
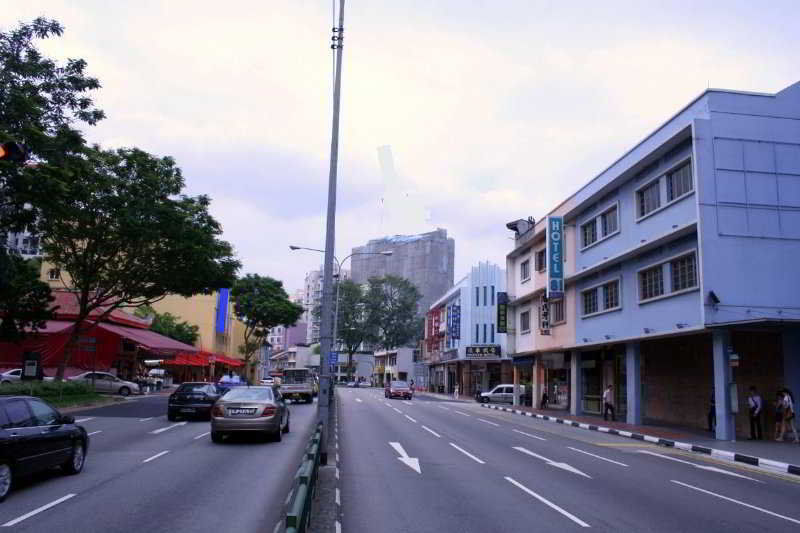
(717, 454)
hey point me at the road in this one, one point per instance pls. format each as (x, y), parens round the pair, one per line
(437, 466)
(144, 473)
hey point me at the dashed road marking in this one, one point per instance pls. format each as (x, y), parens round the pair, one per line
(157, 431)
(411, 419)
(597, 456)
(81, 420)
(95, 432)
(487, 422)
(528, 435)
(432, 432)
(736, 501)
(38, 510)
(547, 502)
(156, 456)
(465, 452)
(464, 414)
(201, 435)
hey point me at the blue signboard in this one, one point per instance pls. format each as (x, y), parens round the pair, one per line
(454, 319)
(555, 254)
(222, 310)
(333, 360)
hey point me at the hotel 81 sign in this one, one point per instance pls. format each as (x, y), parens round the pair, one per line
(555, 254)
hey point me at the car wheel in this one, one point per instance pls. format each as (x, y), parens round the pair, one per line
(76, 461)
(216, 437)
(5, 480)
(171, 416)
(124, 391)
(286, 428)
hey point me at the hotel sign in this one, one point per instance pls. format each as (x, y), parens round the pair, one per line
(483, 352)
(454, 321)
(555, 254)
(502, 312)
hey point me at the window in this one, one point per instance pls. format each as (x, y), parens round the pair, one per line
(648, 199)
(484, 334)
(541, 260)
(679, 182)
(589, 233)
(477, 333)
(608, 222)
(492, 294)
(492, 333)
(611, 295)
(651, 283)
(525, 322)
(477, 296)
(684, 273)
(557, 312)
(484, 295)
(54, 274)
(525, 270)
(43, 414)
(18, 414)
(590, 302)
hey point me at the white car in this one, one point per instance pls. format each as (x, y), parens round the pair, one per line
(105, 382)
(268, 381)
(502, 393)
(10, 376)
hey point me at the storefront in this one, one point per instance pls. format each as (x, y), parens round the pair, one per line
(555, 375)
(484, 368)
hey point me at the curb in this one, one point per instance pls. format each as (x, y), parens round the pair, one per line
(725, 455)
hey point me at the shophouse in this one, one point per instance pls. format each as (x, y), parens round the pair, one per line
(394, 364)
(462, 344)
(678, 282)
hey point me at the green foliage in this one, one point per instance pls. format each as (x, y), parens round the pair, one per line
(352, 325)
(47, 389)
(170, 325)
(261, 303)
(25, 301)
(391, 311)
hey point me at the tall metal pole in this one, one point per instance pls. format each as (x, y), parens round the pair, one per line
(327, 282)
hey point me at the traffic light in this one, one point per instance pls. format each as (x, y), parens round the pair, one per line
(13, 151)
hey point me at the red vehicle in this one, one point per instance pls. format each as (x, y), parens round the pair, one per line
(398, 389)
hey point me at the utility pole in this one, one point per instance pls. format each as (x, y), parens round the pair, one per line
(326, 334)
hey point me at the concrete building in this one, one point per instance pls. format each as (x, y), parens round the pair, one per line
(312, 299)
(394, 364)
(301, 356)
(24, 243)
(426, 260)
(281, 337)
(462, 346)
(677, 271)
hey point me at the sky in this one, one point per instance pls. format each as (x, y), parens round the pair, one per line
(493, 110)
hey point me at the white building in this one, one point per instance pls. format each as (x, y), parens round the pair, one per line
(312, 299)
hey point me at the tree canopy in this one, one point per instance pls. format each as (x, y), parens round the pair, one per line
(170, 325)
(25, 301)
(391, 311)
(352, 326)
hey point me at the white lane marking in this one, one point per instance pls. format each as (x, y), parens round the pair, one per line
(95, 432)
(547, 502)
(407, 403)
(563, 466)
(387, 404)
(156, 456)
(358, 400)
(201, 435)
(398, 410)
(157, 431)
(38, 510)
(465, 452)
(736, 501)
(411, 419)
(78, 421)
(337, 472)
(597, 456)
(432, 432)
(338, 527)
(411, 462)
(465, 414)
(443, 407)
(528, 434)
(486, 421)
(702, 467)
(277, 526)
(288, 497)
(145, 419)
(338, 500)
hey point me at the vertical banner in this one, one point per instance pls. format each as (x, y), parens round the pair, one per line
(455, 325)
(502, 312)
(222, 310)
(555, 254)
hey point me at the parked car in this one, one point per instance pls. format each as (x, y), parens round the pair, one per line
(34, 436)
(268, 381)
(352, 384)
(192, 399)
(502, 394)
(363, 384)
(398, 389)
(250, 409)
(109, 383)
(12, 376)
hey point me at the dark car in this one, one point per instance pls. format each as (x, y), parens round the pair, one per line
(194, 399)
(34, 436)
(398, 389)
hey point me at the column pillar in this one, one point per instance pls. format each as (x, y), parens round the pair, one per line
(575, 385)
(790, 345)
(516, 385)
(726, 429)
(633, 386)
(536, 388)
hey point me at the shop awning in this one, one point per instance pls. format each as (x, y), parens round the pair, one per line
(229, 361)
(525, 360)
(150, 340)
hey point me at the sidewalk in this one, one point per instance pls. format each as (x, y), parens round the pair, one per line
(782, 456)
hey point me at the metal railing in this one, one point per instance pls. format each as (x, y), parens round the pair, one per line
(299, 513)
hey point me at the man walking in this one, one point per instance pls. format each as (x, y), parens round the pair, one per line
(754, 402)
(608, 404)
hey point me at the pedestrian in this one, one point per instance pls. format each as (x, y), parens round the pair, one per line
(788, 416)
(455, 392)
(608, 404)
(778, 415)
(412, 384)
(712, 412)
(754, 402)
(543, 404)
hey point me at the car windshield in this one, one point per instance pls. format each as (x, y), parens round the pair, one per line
(192, 387)
(399, 384)
(295, 376)
(251, 394)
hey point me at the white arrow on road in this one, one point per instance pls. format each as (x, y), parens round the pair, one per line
(411, 462)
(563, 466)
(702, 467)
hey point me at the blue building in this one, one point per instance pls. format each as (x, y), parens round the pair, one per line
(681, 276)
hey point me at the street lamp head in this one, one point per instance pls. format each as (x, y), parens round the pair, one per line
(293, 247)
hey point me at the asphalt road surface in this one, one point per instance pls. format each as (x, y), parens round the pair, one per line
(144, 473)
(437, 466)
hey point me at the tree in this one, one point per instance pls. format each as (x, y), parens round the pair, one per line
(25, 301)
(127, 237)
(391, 311)
(169, 325)
(351, 327)
(261, 303)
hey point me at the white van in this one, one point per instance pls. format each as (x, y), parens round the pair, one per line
(502, 394)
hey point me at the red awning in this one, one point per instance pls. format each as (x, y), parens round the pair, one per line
(229, 361)
(151, 340)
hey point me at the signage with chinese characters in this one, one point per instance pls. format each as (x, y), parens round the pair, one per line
(544, 317)
(555, 254)
(502, 312)
(483, 352)
(454, 320)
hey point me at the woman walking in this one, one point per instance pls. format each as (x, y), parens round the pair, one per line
(788, 416)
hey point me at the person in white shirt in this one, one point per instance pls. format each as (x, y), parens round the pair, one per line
(788, 416)
(755, 404)
(608, 404)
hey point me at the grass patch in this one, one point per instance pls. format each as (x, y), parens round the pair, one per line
(74, 400)
(56, 393)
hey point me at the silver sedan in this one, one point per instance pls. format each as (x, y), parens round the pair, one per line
(250, 409)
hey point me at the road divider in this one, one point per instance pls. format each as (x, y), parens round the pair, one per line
(299, 514)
